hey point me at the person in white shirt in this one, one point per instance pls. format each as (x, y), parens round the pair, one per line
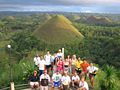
(44, 80)
(59, 54)
(75, 79)
(65, 80)
(83, 84)
(92, 72)
(47, 58)
(56, 79)
(36, 59)
(41, 65)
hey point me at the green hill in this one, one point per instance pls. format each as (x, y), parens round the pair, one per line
(58, 30)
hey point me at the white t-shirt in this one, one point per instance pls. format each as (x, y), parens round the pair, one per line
(43, 76)
(41, 64)
(47, 59)
(83, 84)
(65, 80)
(36, 60)
(56, 77)
(75, 78)
(59, 54)
(91, 69)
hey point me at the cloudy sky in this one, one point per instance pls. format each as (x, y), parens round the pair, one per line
(91, 6)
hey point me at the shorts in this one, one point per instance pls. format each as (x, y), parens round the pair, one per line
(65, 87)
(57, 84)
(79, 70)
(34, 83)
(91, 75)
(48, 66)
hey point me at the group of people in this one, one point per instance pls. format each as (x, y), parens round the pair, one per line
(62, 73)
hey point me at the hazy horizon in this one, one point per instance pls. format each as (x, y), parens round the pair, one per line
(88, 6)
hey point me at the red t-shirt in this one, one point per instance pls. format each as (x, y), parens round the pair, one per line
(84, 67)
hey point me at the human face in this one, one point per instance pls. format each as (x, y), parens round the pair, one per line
(79, 58)
(68, 56)
(45, 72)
(91, 64)
(48, 52)
(35, 73)
(82, 79)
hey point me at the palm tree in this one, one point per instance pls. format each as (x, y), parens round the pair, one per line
(110, 80)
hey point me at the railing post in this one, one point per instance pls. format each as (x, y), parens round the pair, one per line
(12, 86)
(63, 53)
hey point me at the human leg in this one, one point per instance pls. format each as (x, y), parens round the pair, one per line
(41, 72)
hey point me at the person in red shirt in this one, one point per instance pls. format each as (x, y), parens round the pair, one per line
(84, 66)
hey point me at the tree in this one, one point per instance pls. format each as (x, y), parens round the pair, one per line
(22, 43)
(110, 80)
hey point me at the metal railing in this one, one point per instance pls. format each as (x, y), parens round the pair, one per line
(17, 87)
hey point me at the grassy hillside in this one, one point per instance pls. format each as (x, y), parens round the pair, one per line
(98, 20)
(58, 30)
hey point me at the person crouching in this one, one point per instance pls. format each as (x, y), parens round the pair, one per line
(75, 80)
(65, 81)
(34, 80)
(44, 80)
(56, 79)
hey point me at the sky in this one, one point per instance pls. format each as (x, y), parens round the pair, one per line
(86, 6)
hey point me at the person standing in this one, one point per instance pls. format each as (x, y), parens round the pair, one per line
(59, 54)
(84, 66)
(66, 65)
(78, 66)
(73, 63)
(92, 72)
(60, 65)
(47, 58)
(70, 63)
(36, 60)
(44, 80)
(41, 65)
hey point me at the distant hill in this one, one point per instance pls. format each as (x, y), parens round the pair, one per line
(58, 30)
(73, 17)
(98, 20)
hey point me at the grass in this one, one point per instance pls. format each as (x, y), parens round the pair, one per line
(98, 20)
(58, 30)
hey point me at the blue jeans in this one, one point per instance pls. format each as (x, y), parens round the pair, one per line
(41, 72)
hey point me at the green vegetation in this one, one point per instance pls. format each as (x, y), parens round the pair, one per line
(58, 30)
(29, 34)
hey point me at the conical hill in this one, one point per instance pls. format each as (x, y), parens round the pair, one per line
(58, 30)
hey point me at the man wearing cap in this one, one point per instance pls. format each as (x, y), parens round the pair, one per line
(34, 80)
(44, 80)
(56, 78)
